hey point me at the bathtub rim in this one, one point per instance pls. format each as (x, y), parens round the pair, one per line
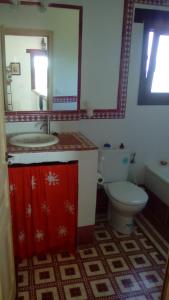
(155, 168)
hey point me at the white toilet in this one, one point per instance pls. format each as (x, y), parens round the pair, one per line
(125, 198)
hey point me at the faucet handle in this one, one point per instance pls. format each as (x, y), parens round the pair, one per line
(48, 124)
(43, 123)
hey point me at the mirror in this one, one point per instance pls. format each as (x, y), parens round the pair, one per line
(103, 48)
(23, 48)
(26, 78)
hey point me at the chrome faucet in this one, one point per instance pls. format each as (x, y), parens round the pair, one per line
(45, 123)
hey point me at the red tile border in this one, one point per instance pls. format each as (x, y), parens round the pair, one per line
(64, 99)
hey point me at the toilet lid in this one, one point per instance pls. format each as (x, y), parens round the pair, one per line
(127, 193)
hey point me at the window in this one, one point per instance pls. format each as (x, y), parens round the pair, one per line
(39, 71)
(40, 64)
(160, 80)
(154, 76)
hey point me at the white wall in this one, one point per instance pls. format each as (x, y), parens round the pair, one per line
(144, 129)
(101, 46)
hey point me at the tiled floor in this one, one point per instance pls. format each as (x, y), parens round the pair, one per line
(115, 267)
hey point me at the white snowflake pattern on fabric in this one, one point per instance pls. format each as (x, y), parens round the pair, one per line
(45, 208)
(62, 231)
(52, 178)
(12, 188)
(39, 235)
(33, 182)
(70, 207)
(29, 210)
(21, 236)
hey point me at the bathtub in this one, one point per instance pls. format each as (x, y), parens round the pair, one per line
(157, 180)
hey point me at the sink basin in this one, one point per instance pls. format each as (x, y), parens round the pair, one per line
(33, 140)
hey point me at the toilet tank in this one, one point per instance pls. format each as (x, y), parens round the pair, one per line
(114, 164)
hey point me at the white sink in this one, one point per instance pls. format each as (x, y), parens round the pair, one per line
(33, 140)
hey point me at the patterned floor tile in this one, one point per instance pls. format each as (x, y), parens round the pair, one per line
(65, 256)
(94, 268)
(139, 261)
(117, 264)
(88, 253)
(23, 278)
(47, 294)
(109, 248)
(127, 283)
(44, 275)
(129, 245)
(23, 296)
(119, 234)
(158, 258)
(22, 263)
(42, 259)
(102, 288)
(115, 267)
(146, 243)
(151, 279)
(102, 235)
(75, 292)
(69, 272)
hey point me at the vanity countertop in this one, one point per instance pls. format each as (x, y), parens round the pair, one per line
(68, 141)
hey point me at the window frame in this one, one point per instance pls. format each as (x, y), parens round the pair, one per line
(33, 53)
(156, 21)
(145, 97)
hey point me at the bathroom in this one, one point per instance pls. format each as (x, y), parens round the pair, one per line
(101, 116)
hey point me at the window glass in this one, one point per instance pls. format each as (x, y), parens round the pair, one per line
(154, 72)
(40, 67)
(160, 82)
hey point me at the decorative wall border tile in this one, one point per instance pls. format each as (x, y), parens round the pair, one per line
(36, 116)
(65, 99)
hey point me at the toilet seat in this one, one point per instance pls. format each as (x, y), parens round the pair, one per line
(127, 193)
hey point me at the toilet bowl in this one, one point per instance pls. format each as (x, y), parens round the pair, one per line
(125, 201)
(125, 198)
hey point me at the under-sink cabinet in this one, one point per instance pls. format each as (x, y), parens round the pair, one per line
(83, 156)
(44, 208)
